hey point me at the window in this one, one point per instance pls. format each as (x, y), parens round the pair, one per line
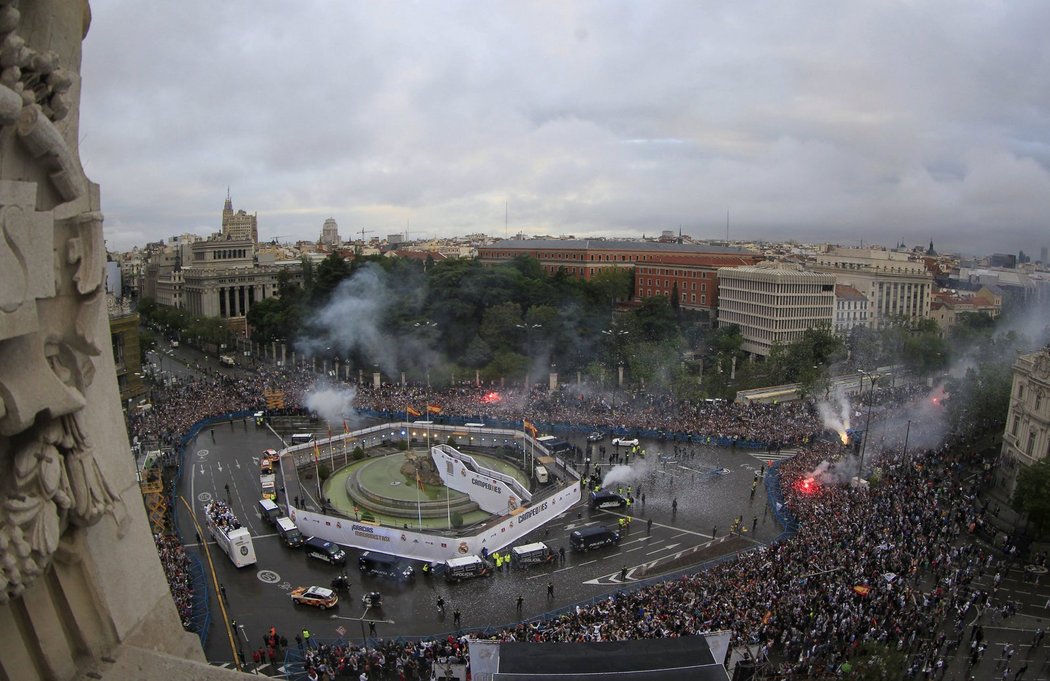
(1016, 425)
(1031, 442)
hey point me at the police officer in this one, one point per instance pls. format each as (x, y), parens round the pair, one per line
(426, 568)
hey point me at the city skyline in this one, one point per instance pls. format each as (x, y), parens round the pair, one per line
(813, 122)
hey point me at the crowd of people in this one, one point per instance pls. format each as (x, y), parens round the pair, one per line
(883, 564)
(176, 566)
(222, 516)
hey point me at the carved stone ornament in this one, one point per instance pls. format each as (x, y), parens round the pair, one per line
(51, 299)
(1042, 364)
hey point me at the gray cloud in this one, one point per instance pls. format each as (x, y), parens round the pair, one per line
(814, 120)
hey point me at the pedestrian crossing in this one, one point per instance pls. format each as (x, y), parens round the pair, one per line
(770, 457)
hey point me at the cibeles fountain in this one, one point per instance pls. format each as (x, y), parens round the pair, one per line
(82, 592)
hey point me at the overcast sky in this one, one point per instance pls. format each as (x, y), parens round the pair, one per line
(815, 121)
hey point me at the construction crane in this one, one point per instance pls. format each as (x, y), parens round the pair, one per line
(363, 232)
(273, 239)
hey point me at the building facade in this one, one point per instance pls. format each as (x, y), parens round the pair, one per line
(774, 303)
(1027, 437)
(124, 338)
(897, 286)
(660, 269)
(330, 233)
(851, 309)
(239, 226)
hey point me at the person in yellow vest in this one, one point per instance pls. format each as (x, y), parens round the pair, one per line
(506, 561)
(628, 505)
(499, 562)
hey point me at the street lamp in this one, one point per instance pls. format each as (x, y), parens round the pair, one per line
(867, 423)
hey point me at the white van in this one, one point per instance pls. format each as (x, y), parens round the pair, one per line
(541, 475)
(226, 360)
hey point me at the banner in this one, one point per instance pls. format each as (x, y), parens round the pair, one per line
(433, 409)
(411, 411)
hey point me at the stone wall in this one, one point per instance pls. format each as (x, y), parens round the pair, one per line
(81, 587)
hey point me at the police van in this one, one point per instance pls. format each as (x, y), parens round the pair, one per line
(322, 549)
(288, 532)
(605, 499)
(384, 565)
(269, 511)
(587, 538)
(536, 553)
(458, 569)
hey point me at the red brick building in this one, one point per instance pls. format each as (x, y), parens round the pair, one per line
(657, 267)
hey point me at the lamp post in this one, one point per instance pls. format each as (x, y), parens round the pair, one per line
(867, 423)
(423, 326)
(529, 328)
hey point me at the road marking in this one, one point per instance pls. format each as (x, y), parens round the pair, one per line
(268, 576)
(588, 562)
(636, 548)
(564, 569)
(664, 548)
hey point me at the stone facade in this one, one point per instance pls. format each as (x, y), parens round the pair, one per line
(1027, 437)
(898, 287)
(239, 226)
(71, 516)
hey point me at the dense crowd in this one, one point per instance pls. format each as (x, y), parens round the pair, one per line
(222, 516)
(176, 407)
(883, 565)
(176, 566)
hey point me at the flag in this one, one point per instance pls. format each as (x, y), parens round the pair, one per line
(531, 428)
(411, 411)
(433, 409)
(419, 483)
(862, 590)
(767, 616)
(346, 428)
(317, 452)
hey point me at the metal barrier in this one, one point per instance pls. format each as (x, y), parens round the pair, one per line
(201, 619)
(673, 436)
(200, 615)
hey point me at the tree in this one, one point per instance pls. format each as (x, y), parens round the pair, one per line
(330, 272)
(876, 662)
(1032, 495)
(499, 327)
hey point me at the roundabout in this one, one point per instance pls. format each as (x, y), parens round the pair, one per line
(380, 489)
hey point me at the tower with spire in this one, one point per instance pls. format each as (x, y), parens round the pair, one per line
(238, 226)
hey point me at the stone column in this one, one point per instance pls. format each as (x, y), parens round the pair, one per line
(73, 519)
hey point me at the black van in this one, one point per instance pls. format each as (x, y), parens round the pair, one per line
(594, 537)
(457, 569)
(384, 565)
(322, 549)
(605, 499)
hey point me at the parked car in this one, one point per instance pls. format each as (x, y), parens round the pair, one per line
(625, 441)
(317, 596)
(596, 436)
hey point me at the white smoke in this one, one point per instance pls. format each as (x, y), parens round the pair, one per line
(835, 416)
(838, 473)
(332, 404)
(349, 323)
(620, 474)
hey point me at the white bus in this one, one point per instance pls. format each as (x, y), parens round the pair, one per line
(302, 438)
(231, 537)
